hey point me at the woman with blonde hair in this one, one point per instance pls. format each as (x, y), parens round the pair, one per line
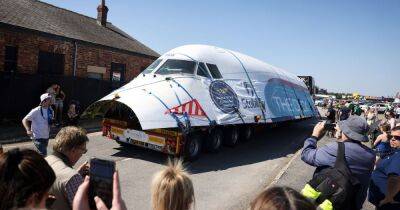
(172, 188)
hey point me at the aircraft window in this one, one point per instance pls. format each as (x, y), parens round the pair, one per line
(214, 71)
(152, 66)
(172, 66)
(202, 71)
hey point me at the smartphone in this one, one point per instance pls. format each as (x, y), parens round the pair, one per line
(101, 181)
(329, 126)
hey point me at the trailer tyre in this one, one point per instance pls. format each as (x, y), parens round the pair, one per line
(192, 148)
(246, 133)
(231, 137)
(214, 140)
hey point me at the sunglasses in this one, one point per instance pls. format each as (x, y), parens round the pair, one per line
(396, 138)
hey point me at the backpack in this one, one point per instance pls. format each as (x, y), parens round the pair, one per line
(336, 184)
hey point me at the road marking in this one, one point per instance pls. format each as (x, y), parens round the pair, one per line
(283, 170)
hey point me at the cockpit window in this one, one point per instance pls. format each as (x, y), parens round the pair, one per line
(152, 66)
(214, 71)
(202, 71)
(173, 66)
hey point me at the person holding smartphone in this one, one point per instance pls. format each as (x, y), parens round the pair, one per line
(359, 158)
(68, 148)
(81, 200)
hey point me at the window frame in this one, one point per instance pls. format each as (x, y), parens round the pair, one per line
(50, 63)
(174, 59)
(208, 76)
(211, 72)
(155, 68)
(10, 62)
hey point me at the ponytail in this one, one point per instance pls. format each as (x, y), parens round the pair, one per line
(23, 173)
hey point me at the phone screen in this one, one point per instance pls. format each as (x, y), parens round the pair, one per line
(101, 181)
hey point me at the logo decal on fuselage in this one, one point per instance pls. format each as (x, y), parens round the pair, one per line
(224, 97)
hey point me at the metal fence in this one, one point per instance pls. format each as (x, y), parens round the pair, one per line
(20, 93)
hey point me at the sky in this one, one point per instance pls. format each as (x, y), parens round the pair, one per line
(346, 45)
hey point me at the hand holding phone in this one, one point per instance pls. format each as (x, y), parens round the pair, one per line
(329, 126)
(81, 200)
(101, 181)
(319, 130)
(84, 169)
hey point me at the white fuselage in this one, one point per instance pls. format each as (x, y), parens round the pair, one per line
(184, 84)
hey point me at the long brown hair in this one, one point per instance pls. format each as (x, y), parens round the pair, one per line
(281, 198)
(172, 188)
(23, 173)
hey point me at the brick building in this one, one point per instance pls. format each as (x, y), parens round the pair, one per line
(42, 44)
(37, 37)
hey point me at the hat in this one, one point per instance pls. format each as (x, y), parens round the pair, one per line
(355, 127)
(44, 96)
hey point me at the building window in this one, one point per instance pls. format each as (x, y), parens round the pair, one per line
(95, 72)
(93, 75)
(51, 63)
(10, 61)
(117, 73)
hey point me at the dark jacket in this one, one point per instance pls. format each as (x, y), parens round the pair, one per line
(359, 158)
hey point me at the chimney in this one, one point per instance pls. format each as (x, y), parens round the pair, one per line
(102, 10)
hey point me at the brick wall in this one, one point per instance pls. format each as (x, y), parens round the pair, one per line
(29, 45)
(92, 56)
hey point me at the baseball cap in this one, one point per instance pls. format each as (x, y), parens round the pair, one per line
(44, 96)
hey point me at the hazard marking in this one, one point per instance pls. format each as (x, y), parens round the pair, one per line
(192, 108)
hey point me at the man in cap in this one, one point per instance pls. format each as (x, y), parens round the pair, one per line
(359, 158)
(37, 123)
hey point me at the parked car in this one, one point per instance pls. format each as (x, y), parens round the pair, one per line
(380, 107)
(319, 102)
(365, 106)
(397, 109)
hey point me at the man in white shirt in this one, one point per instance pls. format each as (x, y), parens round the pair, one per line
(37, 123)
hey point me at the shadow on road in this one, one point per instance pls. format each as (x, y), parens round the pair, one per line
(267, 144)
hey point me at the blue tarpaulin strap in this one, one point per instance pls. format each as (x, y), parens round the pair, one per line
(173, 115)
(251, 84)
(179, 85)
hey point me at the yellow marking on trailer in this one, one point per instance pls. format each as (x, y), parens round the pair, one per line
(156, 139)
(116, 130)
(165, 132)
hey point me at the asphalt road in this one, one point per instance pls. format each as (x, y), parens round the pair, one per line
(225, 180)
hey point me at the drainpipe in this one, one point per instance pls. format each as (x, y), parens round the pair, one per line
(74, 57)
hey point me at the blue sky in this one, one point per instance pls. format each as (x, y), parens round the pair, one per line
(347, 46)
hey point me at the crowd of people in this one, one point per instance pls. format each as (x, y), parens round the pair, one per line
(347, 172)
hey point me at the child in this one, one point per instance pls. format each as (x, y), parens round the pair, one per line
(73, 114)
(382, 144)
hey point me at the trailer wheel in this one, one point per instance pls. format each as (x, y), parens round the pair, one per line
(192, 148)
(231, 137)
(246, 133)
(214, 140)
